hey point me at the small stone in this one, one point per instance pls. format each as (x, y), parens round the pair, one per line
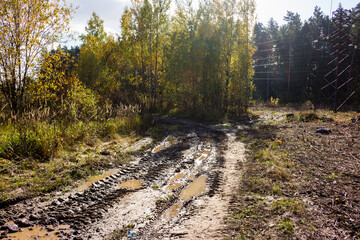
(33, 217)
(3, 235)
(323, 130)
(289, 115)
(11, 228)
(61, 200)
(50, 229)
(105, 153)
(24, 223)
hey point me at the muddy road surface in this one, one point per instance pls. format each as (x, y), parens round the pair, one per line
(179, 188)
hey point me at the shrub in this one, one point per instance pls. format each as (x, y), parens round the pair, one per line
(273, 102)
(308, 117)
(38, 141)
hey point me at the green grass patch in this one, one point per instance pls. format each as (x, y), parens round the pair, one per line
(289, 205)
(287, 227)
(41, 157)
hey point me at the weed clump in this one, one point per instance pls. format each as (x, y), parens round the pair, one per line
(287, 226)
(308, 117)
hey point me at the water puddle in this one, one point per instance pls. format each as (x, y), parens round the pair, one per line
(170, 141)
(207, 151)
(173, 211)
(174, 186)
(207, 139)
(204, 155)
(167, 143)
(178, 176)
(191, 177)
(39, 233)
(132, 184)
(94, 179)
(158, 148)
(196, 188)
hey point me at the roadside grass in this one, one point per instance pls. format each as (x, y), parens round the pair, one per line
(266, 205)
(290, 184)
(287, 227)
(38, 157)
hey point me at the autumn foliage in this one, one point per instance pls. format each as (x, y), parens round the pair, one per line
(27, 27)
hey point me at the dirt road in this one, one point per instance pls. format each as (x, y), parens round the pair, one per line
(181, 188)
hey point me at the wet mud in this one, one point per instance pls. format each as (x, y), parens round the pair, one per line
(163, 188)
(36, 232)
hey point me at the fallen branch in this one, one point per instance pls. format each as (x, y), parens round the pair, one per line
(354, 157)
(315, 148)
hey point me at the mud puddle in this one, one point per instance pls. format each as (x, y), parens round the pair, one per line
(158, 148)
(203, 156)
(173, 185)
(195, 189)
(191, 177)
(170, 140)
(94, 179)
(178, 176)
(173, 211)
(132, 184)
(37, 232)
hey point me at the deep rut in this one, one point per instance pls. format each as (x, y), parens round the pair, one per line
(179, 189)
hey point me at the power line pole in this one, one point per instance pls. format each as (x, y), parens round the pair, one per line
(336, 78)
(289, 72)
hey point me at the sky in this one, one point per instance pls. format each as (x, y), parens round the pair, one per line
(277, 9)
(111, 10)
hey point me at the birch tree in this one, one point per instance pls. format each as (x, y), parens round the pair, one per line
(27, 27)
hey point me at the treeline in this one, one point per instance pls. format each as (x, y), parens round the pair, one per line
(196, 62)
(59, 106)
(300, 61)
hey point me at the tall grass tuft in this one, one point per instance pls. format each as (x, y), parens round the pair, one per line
(29, 140)
(41, 133)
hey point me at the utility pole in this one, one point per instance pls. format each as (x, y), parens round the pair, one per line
(289, 72)
(267, 87)
(336, 78)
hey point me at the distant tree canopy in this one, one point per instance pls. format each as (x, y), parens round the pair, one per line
(292, 60)
(195, 62)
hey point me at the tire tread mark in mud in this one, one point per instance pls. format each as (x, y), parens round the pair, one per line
(13, 201)
(84, 208)
(213, 182)
(80, 209)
